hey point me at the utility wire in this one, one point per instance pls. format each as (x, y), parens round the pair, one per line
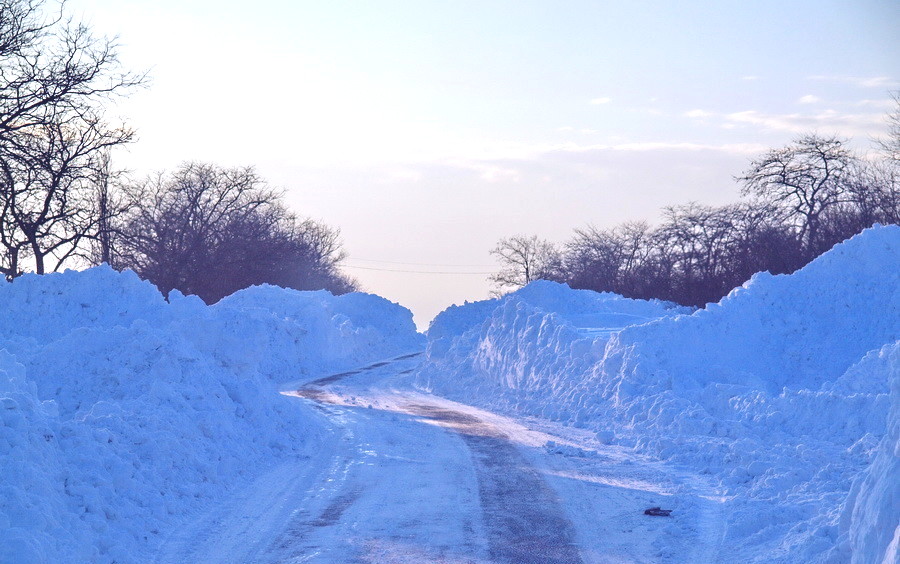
(422, 263)
(410, 271)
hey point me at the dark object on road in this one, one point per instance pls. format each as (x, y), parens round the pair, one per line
(657, 512)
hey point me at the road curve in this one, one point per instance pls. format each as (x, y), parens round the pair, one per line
(523, 518)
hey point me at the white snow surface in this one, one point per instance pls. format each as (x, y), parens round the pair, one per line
(773, 391)
(124, 416)
(871, 519)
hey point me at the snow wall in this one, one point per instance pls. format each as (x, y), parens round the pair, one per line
(870, 522)
(123, 414)
(781, 391)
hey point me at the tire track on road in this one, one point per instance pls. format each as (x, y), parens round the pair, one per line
(524, 519)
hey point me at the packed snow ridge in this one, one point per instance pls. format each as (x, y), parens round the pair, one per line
(123, 414)
(786, 391)
(126, 415)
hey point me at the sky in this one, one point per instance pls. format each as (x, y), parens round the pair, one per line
(426, 131)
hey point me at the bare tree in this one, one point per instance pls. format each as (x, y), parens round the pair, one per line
(523, 260)
(878, 190)
(54, 79)
(880, 199)
(697, 255)
(804, 180)
(593, 260)
(176, 222)
(210, 231)
(107, 208)
(761, 242)
(700, 239)
(891, 143)
(609, 260)
(807, 197)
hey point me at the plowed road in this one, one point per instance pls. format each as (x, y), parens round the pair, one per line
(402, 476)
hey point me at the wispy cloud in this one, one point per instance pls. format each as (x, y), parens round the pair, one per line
(882, 104)
(809, 99)
(498, 165)
(494, 174)
(698, 114)
(604, 100)
(732, 148)
(859, 81)
(750, 77)
(847, 124)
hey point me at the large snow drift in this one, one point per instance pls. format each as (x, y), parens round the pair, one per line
(871, 520)
(123, 414)
(762, 390)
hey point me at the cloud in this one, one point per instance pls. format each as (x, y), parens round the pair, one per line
(598, 101)
(698, 114)
(809, 99)
(499, 174)
(750, 77)
(883, 104)
(492, 171)
(846, 124)
(731, 148)
(859, 81)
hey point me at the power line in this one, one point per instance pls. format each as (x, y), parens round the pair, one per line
(423, 263)
(410, 271)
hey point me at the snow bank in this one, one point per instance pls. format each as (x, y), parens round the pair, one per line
(764, 390)
(297, 333)
(871, 518)
(123, 414)
(528, 344)
(796, 331)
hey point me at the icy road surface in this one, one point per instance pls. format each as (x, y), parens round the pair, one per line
(403, 476)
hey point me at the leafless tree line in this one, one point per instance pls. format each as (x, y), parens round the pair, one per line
(799, 201)
(203, 229)
(210, 231)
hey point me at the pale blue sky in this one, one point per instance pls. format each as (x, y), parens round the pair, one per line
(428, 130)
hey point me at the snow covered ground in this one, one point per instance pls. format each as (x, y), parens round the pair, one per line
(536, 428)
